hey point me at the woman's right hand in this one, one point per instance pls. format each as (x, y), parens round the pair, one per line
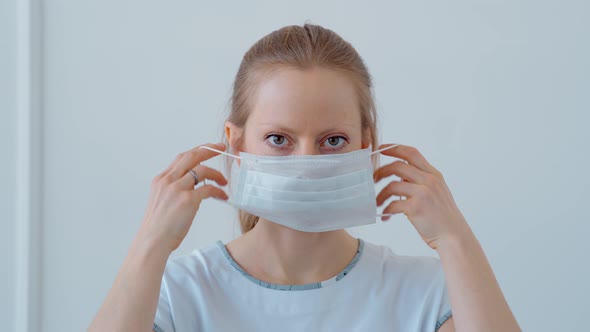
(174, 201)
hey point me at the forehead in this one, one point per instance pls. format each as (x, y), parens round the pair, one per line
(312, 98)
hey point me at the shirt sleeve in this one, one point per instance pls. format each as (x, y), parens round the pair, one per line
(164, 321)
(444, 305)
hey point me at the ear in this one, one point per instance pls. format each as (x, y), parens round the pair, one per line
(233, 134)
(366, 141)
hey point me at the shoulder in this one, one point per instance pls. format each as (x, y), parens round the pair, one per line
(188, 284)
(197, 266)
(418, 270)
(415, 284)
(383, 253)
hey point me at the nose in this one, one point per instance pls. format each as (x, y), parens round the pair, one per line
(307, 147)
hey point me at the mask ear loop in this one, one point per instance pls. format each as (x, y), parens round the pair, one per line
(219, 151)
(399, 197)
(384, 149)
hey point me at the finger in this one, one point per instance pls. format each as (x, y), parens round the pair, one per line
(401, 170)
(208, 191)
(203, 173)
(191, 158)
(398, 188)
(410, 154)
(395, 207)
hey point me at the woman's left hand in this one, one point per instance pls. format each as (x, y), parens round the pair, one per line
(429, 205)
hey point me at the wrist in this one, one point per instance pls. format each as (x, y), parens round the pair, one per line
(457, 240)
(149, 246)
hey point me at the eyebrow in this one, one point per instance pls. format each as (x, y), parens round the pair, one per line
(291, 132)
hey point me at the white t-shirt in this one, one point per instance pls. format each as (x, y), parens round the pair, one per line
(379, 291)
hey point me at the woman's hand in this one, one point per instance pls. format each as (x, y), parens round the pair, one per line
(429, 205)
(174, 201)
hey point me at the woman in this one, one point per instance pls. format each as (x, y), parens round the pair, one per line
(303, 92)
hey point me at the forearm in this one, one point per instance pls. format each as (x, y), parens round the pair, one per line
(476, 298)
(132, 301)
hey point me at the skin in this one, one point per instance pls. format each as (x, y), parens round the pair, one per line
(296, 114)
(304, 112)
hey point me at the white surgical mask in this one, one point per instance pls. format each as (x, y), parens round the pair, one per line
(309, 193)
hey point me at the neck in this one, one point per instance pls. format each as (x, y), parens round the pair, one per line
(278, 254)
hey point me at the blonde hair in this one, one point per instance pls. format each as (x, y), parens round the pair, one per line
(300, 47)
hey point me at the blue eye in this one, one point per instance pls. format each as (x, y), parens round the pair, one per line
(335, 141)
(277, 140)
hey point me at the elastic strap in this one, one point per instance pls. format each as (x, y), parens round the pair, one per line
(384, 149)
(238, 157)
(219, 151)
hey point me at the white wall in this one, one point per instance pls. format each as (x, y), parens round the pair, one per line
(494, 93)
(7, 164)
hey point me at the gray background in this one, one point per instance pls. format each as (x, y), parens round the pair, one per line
(494, 93)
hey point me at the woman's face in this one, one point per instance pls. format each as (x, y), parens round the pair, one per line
(300, 112)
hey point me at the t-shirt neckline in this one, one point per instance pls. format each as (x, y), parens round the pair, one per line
(287, 287)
